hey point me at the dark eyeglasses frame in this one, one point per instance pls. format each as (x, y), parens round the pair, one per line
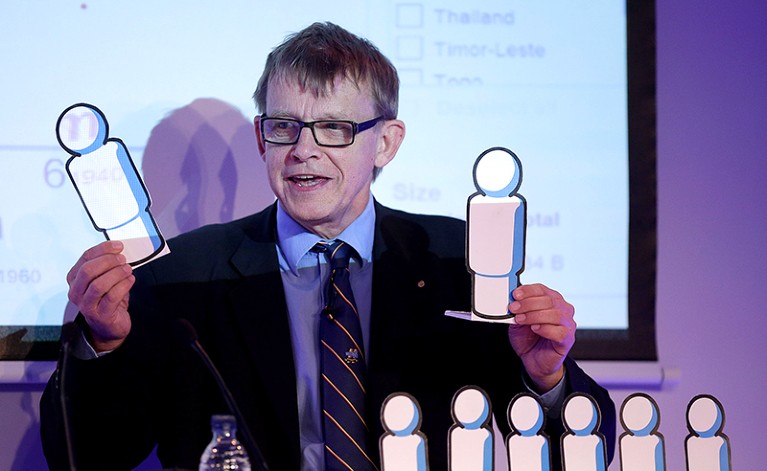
(356, 128)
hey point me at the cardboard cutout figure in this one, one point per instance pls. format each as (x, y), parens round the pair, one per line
(108, 183)
(403, 445)
(583, 446)
(641, 446)
(470, 439)
(706, 447)
(496, 226)
(527, 446)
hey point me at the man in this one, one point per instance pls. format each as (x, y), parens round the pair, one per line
(253, 288)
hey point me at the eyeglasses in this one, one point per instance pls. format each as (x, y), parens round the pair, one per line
(326, 132)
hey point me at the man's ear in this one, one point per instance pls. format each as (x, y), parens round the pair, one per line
(259, 137)
(392, 134)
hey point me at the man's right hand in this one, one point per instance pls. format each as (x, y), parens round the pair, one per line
(99, 285)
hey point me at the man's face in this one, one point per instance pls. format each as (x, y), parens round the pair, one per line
(325, 188)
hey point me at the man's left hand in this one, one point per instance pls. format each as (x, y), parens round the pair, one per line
(543, 334)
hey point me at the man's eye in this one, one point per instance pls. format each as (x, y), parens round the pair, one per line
(334, 126)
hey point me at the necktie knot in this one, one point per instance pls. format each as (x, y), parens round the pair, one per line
(337, 253)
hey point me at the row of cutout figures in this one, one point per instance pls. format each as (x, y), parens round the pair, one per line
(471, 442)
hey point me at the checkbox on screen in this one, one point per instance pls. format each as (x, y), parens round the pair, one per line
(409, 15)
(410, 47)
(410, 76)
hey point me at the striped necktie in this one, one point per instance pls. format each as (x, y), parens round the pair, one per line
(343, 367)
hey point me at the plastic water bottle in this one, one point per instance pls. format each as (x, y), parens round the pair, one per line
(224, 452)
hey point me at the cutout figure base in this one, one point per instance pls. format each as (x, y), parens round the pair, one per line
(470, 316)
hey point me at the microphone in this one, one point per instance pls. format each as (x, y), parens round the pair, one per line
(187, 330)
(68, 331)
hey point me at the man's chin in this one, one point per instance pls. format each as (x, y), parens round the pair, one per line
(308, 217)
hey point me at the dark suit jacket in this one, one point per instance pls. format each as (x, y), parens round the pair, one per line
(225, 279)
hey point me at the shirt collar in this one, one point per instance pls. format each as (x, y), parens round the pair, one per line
(294, 241)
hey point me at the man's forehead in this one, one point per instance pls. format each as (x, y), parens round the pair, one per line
(317, 86)
(284, 88)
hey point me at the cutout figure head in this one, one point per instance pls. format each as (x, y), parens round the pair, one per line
(81, 128)
(497, 172)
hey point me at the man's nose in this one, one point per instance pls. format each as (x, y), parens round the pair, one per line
(306, 146)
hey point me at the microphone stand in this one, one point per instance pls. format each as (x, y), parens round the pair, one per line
(67, 332)
(191, 334)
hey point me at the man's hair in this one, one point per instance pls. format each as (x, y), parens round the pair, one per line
(316, 55)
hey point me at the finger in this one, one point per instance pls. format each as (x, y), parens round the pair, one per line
(551, 326)
(561, 342)
(115, 297)
(546, 319)
(91, 269)
(526, 291)
(535, 290)
(527, 305)
(560, 337)
(540, 311)
(111, 320)
(106, 247)
(97, 279)
(531, 298)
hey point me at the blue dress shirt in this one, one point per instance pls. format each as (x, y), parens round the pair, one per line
(303, 276)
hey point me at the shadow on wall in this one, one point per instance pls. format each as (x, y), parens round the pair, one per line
(201, 166)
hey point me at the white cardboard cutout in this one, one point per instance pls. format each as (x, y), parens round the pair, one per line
(470, 439)
(583, 446)
(403, 445)
(528, 448)
(706, 447)
(641, 445)
(496, 225)
(108, 183)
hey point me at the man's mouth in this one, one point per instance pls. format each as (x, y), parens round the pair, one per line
(306, 180)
